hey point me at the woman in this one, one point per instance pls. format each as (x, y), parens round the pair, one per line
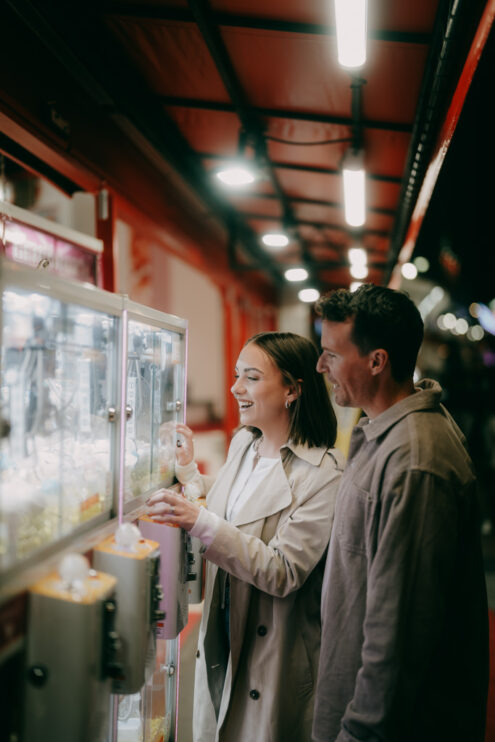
(265, 530)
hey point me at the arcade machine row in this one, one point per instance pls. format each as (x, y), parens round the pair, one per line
(93, 596)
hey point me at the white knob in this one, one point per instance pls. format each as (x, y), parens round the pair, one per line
(127, 536)
(73, 569)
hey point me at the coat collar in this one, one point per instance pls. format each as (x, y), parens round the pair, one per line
(427, 396)
(273, 494)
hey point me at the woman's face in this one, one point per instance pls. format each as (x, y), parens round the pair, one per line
(260, 390)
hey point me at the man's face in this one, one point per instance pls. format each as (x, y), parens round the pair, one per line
(347, 370)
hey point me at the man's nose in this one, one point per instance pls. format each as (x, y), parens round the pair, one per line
(320, 366)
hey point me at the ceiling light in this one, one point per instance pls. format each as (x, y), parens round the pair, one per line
(358, 271)
(236, 175)
(354, 188)
(350, 21)
(409, 271)
(296, 274)
(309, 295)
(357, 256)
(275, 239)
(422, 264)
(355, 285)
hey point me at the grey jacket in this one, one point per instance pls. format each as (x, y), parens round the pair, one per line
(404, 654)
(263, 689)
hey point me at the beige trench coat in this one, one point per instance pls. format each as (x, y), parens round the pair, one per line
(273, 552)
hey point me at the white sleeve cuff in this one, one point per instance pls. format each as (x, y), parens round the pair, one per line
(185, 473)
(206, 526)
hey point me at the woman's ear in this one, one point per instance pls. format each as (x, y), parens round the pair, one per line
(294, 391)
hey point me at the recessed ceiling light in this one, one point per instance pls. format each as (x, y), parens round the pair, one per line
(275, 239)
(236, 175)
(296, 274)
(358, 271)
(309, 295)
(358, 256)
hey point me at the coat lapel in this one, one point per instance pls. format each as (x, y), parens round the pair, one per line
(270, 497)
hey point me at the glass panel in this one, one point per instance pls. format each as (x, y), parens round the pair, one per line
(58, 367)
(160, 695)
(155, 396)
(150, 715)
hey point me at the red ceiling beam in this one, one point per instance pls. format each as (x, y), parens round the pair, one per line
(444, 139)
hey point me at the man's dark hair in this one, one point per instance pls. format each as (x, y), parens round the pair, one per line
(311, 416)
(383, 318)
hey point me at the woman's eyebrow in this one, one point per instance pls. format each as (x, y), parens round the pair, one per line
(252, 368)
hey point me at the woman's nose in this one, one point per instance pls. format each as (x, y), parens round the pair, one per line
(236, 386)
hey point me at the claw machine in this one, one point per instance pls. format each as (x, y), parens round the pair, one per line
(61, 343)
(155, 383)
(90, 386)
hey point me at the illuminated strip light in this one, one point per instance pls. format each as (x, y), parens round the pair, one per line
(350, 21)
(354, 196)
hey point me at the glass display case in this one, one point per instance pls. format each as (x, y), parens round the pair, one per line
(91, 386)
(60, 345)
(155, 398)
(61, 392)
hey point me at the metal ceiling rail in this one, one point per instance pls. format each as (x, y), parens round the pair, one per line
(325, 265)
(174, 101)
(449, 125)
(435, 84)
(97, 64)
(27, 160)
(318, 224)
(308, 168)
(250, 120)
(315, 202)
(232, 20)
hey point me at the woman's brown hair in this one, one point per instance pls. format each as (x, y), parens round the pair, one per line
(311, 415)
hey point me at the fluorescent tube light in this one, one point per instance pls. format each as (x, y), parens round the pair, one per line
(350, 22)
(354, 189)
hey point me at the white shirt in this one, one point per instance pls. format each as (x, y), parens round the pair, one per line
(246, 481)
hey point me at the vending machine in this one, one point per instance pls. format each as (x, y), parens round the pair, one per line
(91, 386)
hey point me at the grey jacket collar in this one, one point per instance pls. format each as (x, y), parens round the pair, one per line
(426, 397)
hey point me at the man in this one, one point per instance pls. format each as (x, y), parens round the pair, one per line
(404, 650)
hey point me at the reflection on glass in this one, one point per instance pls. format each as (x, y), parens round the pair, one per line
(58, 365)
(150, 716)
(154, 387)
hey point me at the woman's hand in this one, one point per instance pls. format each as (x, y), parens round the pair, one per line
(184, 447)
(166, 506)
